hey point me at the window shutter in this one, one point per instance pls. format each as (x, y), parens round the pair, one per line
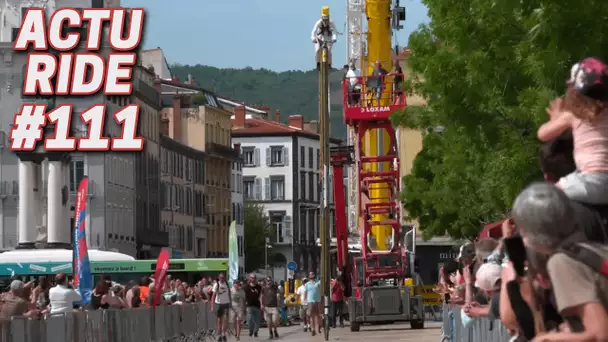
(256, 157)
(267, 188)
(258, 189)
(287, 225)
(285, 156)
(268, 157)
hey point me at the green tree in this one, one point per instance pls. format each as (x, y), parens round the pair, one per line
(487, 70)
(256, 226)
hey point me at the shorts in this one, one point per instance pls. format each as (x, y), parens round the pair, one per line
(272, 315)
(221, 310)
(313, 309)
(590, 187)
(237, 314)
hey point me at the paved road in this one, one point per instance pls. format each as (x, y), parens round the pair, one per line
(368, 333)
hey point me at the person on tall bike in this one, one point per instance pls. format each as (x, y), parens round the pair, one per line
(323, 31)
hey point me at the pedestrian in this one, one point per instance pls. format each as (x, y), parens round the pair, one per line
(337, 302)
(253, 291)
(270, 307)
(237, 311)
(313, 303)
(220, 303)
(301, 292)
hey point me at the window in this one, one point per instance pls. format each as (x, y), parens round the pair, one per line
(277, 226)
(277, 156)
(311, 186)
(317, 194)
(76, 174)
(310, 155)
(275, 188)
(241, 247)
(249, 187)
(302, 156)
(302, 185)
(250, 156)
(189, 237)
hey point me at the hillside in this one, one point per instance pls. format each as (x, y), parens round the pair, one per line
(292, 92)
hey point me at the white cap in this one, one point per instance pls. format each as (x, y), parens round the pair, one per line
(487, 276)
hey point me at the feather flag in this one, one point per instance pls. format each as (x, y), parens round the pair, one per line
(83, 279)
(160, 274)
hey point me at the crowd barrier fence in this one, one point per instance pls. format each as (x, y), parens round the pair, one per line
(479, 330)
(187, 322)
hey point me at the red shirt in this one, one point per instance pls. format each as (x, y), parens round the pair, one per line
(337, 291)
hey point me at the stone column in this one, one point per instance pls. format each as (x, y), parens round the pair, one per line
(58, 233)
(67, 210)
(27, 205)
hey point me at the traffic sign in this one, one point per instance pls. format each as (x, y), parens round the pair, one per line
(292, 266)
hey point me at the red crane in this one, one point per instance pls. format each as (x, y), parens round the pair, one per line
(361, 113)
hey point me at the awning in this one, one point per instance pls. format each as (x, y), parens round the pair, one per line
(493, 230)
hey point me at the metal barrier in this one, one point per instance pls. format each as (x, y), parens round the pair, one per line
(187, 322)
(479, 330)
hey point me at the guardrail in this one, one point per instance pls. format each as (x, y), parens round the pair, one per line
(187, 322)
(480, 329)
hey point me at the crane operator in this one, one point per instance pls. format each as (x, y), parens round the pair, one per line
(323, 31)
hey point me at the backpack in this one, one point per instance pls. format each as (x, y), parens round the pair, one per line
(587, 256)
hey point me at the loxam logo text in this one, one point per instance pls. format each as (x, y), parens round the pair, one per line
(375, 109)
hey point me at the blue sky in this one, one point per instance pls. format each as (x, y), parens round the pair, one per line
(273, 34)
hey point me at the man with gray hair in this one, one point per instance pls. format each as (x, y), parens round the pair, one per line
(13, 304)
(546, 219)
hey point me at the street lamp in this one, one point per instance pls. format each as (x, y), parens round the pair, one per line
(266, 246)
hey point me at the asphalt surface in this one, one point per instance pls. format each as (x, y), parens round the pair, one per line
(368, 333)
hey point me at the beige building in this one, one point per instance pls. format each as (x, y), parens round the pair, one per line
(194, 117)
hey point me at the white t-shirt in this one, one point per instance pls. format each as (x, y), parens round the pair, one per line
(222, 293)
(62, 299)
(301, 291)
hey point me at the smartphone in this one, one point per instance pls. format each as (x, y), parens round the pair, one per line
(516, 251)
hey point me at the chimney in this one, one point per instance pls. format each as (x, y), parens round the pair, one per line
(296, 121)
(312, 126)
(277, 116)
(177, 118)
(239, 117)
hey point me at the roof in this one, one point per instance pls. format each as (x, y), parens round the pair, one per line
(255, 127)
(236, 104)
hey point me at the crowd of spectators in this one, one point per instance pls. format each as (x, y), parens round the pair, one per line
(546, 279)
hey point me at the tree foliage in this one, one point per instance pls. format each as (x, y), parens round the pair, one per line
(256, 226)
(291, 92)
(488, 69)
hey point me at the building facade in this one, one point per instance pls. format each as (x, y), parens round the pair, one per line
(182, 193)
(281, 164)
(238, 208)
(194, 117)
